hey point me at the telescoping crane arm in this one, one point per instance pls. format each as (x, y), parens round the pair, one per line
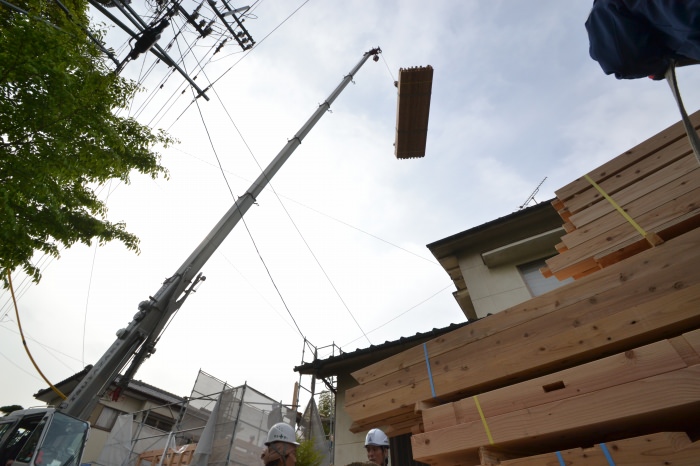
(137, 341)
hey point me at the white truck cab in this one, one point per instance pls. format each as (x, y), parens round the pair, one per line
(41, 437)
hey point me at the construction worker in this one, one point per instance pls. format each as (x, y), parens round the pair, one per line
(377, 446)
(281, 446)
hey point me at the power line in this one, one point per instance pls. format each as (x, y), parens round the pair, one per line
(246, 53)
(402, 313)
(261, 41)
(289, 216)
(335, 219)
(335, 289)
(211, 142)
(50, 350)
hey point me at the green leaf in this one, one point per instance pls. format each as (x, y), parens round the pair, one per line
(60, 136)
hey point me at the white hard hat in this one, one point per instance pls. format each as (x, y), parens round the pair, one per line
(281, 432)
(376, 438)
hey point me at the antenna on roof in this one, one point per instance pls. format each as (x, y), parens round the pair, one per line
(531, 197)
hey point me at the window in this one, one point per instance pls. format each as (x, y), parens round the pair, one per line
(159, 422)
(18, 435)
(107, 418)
(27, 451)
(535, 281)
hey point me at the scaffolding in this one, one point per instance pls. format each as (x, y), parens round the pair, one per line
(218, 425)
(314, 425)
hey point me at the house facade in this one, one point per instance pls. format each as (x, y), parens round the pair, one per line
(497, 265)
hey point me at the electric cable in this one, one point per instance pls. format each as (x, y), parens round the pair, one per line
(25, 284)
(24, 342)
(258, 292)
(262, 40)
(245, 224)
(87, 298)
(27, 281)
(22, 369)
(174, 97)
(335, 289)
(431, 261)
(133, 95)
(211, 142)
(402, 313)
(95, 40)
(49, 349)
(159, 86)
(335, 219)
(211, 85)
(163, 111)
(150, 98)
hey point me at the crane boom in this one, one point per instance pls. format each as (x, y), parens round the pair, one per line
(137, 341)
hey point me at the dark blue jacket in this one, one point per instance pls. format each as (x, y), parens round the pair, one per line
(639, 38)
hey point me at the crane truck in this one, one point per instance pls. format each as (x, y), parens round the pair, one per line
(56, 436)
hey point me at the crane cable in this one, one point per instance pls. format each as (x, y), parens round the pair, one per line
(24, 342)
(393, 79)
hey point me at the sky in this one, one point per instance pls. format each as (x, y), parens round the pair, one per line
(335, 251)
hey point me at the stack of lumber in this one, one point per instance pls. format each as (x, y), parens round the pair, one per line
(412, 111)
(664, 448)
(174, 457)
(242, 452)
(657, 184)
(648, 297)
(653, 387)
(607, 364)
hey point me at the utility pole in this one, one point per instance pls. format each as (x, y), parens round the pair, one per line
(167, 25)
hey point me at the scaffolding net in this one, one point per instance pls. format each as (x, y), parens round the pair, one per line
(218, 425)
(311, 429)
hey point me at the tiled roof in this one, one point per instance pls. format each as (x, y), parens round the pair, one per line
(67, 385)
(347, 362)
(531, 210)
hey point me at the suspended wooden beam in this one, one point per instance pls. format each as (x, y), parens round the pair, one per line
(413, 108)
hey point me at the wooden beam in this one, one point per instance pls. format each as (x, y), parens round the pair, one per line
(609, 236)
(657, 400)
(653, 359)
(645, 149)
(633, 177)
(663, 448)
(652, 187)
(413, 109)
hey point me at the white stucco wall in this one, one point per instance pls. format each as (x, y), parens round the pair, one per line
(349, 447)
(492, 289)
(94, 445)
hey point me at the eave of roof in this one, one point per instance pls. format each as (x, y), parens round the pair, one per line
(539, 212)
(68, 385)
(347, 362)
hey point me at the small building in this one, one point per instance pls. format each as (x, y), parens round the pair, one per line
(497, 265)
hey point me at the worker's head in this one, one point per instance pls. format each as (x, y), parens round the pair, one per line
(281, 446)
(377, 446)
